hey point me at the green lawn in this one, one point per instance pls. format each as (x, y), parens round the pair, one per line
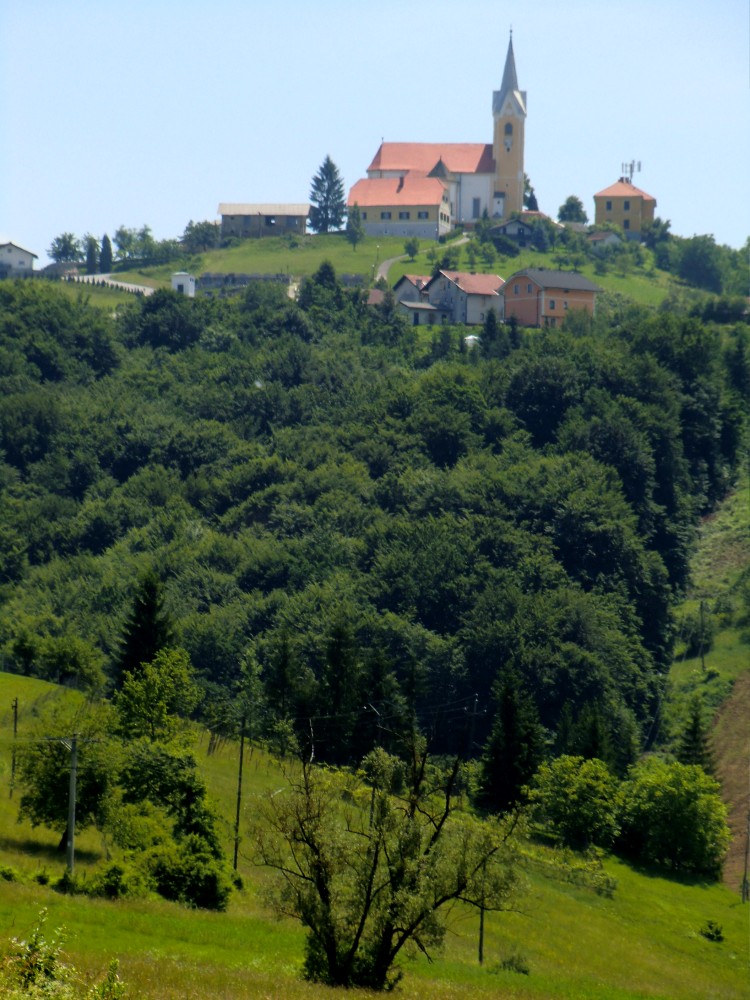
(298, 258)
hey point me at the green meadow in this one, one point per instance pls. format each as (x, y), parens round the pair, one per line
(644, 941)
(302, 256)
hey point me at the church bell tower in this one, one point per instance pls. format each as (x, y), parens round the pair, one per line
(509, 114)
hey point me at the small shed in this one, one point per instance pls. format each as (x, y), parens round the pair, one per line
(184, 284)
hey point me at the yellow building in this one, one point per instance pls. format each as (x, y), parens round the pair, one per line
(626, 206)
(509, 114)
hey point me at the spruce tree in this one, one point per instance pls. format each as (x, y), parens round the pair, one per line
(514, 749)
(92, 255)
(693, 747)
(148, 628)
(327, 197)
(105, 257)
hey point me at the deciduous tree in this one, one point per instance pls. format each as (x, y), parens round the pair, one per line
(66, 247)
(370, 864)
(355, 230)
(572, 210)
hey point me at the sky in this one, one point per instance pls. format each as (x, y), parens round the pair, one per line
(155, 111)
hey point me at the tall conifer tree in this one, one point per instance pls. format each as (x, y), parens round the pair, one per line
(327, 198)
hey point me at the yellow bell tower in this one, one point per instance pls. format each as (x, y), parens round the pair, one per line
(509, 114)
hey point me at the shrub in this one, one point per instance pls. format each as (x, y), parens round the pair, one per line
(578, 799)
(117, 881)
(189, 872)
(712, 931)
(673, 816)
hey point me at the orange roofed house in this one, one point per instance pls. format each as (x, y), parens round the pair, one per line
(401, 195)
(538, 297)
(626, 206)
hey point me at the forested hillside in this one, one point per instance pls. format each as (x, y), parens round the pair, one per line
(360, 527)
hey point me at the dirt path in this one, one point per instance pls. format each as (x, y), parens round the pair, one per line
(731, 747)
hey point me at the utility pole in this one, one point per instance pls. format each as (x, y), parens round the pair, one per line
(470, 745)
(13, 751)
(481, 917)
(239, 793)
(72, 745)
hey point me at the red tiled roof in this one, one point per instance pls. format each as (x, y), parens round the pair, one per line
(624, 189)
(371, 192)
(474, 284)
(458, 157)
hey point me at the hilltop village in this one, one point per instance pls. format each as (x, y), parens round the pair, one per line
(427, 190)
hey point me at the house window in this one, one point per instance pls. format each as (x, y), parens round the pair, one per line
(416, 319)
(516, 289)
(385, 215)
(608, 206)
(565, 304)
(270, 220)
(363, 215)
(423, 215)
(626, 206)
(551, 304)
(528, 289)
(404, 215)
(626, 224)
(475, 210)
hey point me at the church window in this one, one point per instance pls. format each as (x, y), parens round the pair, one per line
(509, 129)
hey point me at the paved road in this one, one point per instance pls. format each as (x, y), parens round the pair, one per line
(107, 279)
(385, 267)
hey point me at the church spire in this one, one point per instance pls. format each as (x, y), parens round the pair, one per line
(510, 80)
(509, 86)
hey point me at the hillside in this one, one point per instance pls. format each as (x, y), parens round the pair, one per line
(642, 282)
(349, 531)
(643, 941)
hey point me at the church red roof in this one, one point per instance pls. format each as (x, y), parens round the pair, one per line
(371, 192)
(458, 157)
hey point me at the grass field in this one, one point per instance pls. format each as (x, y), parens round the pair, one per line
(303, 256)
(643, 942)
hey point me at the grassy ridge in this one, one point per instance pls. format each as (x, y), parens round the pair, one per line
(645, 941)
(279, 256)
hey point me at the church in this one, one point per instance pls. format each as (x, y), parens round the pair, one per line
(425, 189)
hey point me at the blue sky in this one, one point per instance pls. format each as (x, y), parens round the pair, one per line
(154, 111)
